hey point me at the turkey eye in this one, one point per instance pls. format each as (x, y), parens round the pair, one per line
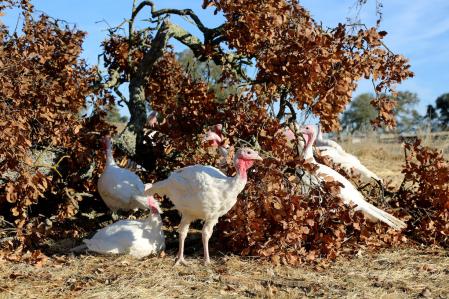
(248, 152)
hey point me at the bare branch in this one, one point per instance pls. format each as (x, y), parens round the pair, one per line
(191, 41)
(139, 7)
(169, 30)
(164, 33)
(182, 12)
(209, 33)
(113, 81)
(282, 105)
(122, 97)
(292, 111)
(53, 167)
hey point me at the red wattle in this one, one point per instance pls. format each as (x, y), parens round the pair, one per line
(306, 139)
(242, 167)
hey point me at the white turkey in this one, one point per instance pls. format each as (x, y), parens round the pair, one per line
(337, 154)
(214, 138)
(204, 192)
(120, 188)
(321, 141)
(308, 180)
(138, 238)
(348, 193)
(152, 119)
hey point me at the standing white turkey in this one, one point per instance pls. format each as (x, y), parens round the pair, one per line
(337, 154)
(120, 188)
(348, 193)
(204, 192)
(138, 238)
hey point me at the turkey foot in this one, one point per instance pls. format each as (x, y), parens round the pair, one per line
(181, 261)
(207, 262)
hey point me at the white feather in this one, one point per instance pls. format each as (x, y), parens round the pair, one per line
(349, 194)
(138, 238)
(120, 188)
(338, 155)
(200, 192)
(347, 162)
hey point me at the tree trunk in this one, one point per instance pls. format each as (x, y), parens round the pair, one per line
(138, 114)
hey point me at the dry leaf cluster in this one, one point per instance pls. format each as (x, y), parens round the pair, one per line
(47, 147)
(424, 194)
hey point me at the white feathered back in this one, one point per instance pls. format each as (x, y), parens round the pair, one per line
(138, 238)
(120, 188)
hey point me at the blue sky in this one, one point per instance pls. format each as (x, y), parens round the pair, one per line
(417, 29)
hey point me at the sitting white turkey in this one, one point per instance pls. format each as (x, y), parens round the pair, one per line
(120, 188)
(138, 238)
(204, 192)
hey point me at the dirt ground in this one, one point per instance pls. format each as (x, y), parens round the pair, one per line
(400, 273)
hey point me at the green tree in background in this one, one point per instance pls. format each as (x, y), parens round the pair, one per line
(431, 112)
(431, 118)
(406, 115)
(207, 71)
(442, 105)
(113, 115)
(361, 112)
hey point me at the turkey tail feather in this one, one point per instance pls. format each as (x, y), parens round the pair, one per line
(368, 173)
(383, 216)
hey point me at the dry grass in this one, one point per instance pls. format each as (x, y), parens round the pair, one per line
(387, 159)
(402, 273)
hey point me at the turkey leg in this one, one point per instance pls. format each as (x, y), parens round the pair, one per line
(183, 229)
(208, 228)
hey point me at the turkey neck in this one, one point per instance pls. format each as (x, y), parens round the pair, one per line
(109, 157)
(242, 166)
(308, 153)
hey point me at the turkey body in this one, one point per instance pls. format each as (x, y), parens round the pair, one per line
(204, 192)
(349, 194)
(347, 162)
(138, 238)
(338, 155)
(120, 188)
(201, 192)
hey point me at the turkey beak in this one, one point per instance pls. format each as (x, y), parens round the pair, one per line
(258, 158)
